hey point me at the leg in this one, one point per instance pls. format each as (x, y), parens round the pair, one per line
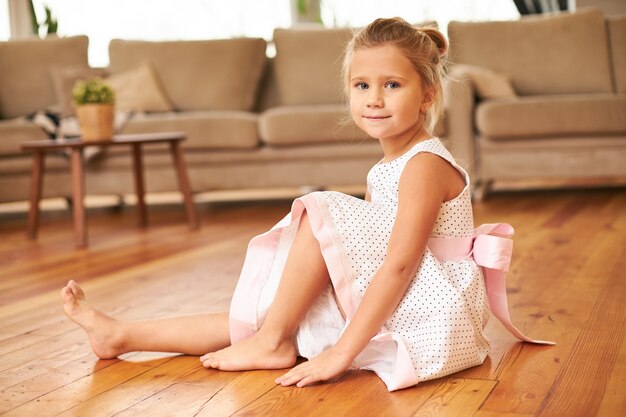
(481, 189)
(139, 185)
(78, 194)
(193, 335)
(183, 182)
(273, 347)
(35, 193)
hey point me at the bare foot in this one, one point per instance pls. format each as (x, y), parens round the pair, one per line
(104, 333)
(256, 352)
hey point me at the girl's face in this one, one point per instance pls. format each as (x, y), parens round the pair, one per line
(386, 94)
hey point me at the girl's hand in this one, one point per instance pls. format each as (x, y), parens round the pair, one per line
(328, 365)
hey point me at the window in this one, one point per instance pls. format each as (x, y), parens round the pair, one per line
(356, 13)
(5, 32)
(103, 20)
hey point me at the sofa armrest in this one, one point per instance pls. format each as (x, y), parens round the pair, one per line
(459, 98)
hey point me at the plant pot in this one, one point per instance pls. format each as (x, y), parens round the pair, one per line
(96, 122)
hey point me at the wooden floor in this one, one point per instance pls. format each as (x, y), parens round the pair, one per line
(567, 283)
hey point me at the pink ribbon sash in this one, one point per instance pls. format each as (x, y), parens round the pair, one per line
(491, 247)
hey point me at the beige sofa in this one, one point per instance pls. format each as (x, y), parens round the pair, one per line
(568, 116)
(251, 121)
(255, 122)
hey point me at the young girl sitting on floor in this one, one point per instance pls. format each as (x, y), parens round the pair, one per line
(393, 283)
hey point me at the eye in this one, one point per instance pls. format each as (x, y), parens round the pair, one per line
(361, 85)
(392, 85)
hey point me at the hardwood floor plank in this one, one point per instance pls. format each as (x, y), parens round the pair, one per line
(286, 401)
(456, 397)
(186, 397)
(614, 401)
(483, 413)
(135, 389)
(176, 400)
(87, 265)
(19, 341)
(364, 387)
(527, 378)
(582, 381)
(345, 397)
(238, 393)
(21, 316)
(60, 389)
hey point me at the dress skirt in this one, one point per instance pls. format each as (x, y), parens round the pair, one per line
(437, 328)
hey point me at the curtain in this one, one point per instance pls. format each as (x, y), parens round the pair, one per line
(526, 7)
(19, 18)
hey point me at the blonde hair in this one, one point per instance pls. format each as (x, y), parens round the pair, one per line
(425, 47)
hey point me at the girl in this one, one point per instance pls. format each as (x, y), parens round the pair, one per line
(390, 284)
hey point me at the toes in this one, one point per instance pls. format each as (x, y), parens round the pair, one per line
(207, 356)
(210, 361)
(67, 295)
(64, 292)
(76, 289)
(211, 364)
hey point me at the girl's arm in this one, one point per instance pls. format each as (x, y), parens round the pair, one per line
(426, 182)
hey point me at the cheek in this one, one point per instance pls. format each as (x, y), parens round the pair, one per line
(354, 109)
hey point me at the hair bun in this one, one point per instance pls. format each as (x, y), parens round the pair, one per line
(438, 38)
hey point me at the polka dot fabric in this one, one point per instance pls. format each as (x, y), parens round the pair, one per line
(437, 329)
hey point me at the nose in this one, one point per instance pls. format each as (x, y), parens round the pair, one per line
(374, 98)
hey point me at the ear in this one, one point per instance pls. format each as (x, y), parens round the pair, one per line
(429, 97)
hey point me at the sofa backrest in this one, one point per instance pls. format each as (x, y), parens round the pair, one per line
(555, 54)
(617, 39)
(221, 74)
(308, 65)
(25, 79)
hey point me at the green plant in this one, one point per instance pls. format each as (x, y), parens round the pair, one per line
(51, 24)
(92, 91)
(309, 11)
(33, 18)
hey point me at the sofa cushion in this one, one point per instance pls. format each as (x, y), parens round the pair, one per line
(556, 115)
(563, 53)
(15, 131)
(25, 81)
(205, 129)
(308, 65)
(139, 90)
(617, 37)
(488, 84)
(320, 123)
(20, 168)
(226, 71)
(63, 80)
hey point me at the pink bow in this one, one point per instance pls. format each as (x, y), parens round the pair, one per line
(491, 248)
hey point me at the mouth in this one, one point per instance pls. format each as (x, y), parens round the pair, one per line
(374, 118)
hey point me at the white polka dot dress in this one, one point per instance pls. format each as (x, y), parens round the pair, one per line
(436, 330)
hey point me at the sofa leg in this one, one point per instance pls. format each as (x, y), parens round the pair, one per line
(481, 189)
(119, 204)
(306, 189)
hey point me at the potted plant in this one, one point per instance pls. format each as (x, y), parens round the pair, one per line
(94, 101)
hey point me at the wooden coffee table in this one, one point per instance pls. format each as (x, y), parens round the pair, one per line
(75, 147)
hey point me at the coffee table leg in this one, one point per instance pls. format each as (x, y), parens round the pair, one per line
(78, 194)
(183, 183)
(139, 185)
(35, 194)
